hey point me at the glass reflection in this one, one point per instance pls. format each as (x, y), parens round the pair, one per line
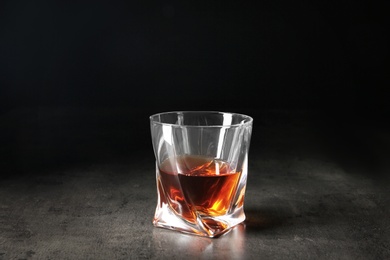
(228, 246)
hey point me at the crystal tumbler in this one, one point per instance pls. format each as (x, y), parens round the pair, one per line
(201, 170)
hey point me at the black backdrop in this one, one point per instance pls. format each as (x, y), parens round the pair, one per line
(148, 57)
(168, 55)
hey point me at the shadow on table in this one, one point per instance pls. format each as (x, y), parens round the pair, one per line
(265, 219)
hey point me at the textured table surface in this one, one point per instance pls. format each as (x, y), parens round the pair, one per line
(75, 186)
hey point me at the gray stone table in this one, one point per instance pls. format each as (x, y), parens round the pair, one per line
(70, 190)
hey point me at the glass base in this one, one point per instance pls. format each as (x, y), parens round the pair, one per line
(205, 226)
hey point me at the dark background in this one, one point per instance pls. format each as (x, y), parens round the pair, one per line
(78, 80)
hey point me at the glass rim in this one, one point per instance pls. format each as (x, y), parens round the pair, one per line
(246, 120)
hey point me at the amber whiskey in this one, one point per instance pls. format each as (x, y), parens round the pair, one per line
(197, 185)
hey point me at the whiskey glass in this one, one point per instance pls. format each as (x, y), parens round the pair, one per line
(201, 170)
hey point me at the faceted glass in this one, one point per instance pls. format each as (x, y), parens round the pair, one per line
(201, 170)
